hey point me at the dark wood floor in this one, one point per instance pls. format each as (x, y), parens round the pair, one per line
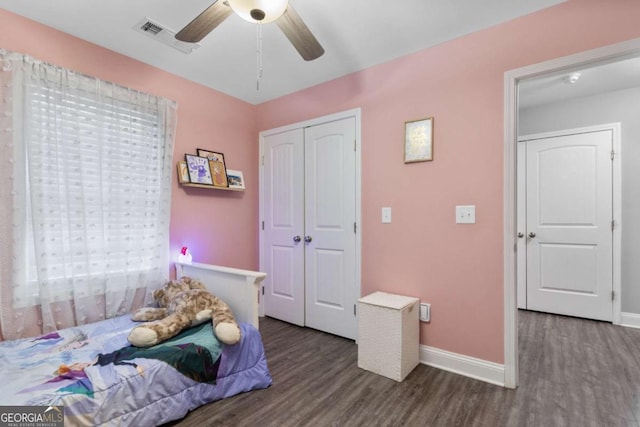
(573, 372)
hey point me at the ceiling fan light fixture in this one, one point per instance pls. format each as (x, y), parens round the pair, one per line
(264, 11)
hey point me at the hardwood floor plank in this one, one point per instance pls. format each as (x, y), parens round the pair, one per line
(573, 372)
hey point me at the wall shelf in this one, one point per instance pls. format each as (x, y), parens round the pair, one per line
(183, 179)
(210, 187)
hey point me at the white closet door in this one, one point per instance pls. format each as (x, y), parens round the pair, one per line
(330, 239)
(283, 247)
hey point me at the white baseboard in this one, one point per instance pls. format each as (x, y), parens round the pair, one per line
(631, 320)
(464, 365)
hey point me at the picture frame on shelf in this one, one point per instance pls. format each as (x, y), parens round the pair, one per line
(199, 169)
(183, 172)
(216, 166)
(205, 153)
(418, 140)
(236, 179)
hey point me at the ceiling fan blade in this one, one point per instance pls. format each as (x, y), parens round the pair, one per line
(299, 34)
(204, 23)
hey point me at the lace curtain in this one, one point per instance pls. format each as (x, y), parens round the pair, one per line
(85, 196)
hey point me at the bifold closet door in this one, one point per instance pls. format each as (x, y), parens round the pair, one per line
(309, 236)
(282, 239)
(330, 238)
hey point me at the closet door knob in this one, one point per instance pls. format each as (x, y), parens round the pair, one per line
(532, 234)
(297, 239)
(307, 239)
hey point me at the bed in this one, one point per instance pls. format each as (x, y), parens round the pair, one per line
(100, 380)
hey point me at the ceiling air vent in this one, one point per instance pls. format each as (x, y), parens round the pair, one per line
(150, 27)
(164, 35)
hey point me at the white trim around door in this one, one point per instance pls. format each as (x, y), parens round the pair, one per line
(616, 52)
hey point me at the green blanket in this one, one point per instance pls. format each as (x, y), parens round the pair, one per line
(195, 352)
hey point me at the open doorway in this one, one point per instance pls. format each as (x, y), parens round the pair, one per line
(543, 90)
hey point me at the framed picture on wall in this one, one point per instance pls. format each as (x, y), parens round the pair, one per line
(418, 140)
(236, 179)
(217, 167)
(199, 170)
(183, 172)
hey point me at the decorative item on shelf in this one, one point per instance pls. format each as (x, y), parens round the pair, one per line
(236, 179)
(418, 140)
(185, 255)
(199, 171)
(217, 167)
(183, 172)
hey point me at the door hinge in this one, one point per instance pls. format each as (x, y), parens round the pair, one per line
(613, 153)
(354, 145)
(613, 295)
(262, 160)
(262, 225)
(354, 309)
(613, 224)
(263, 290)
(355, 228)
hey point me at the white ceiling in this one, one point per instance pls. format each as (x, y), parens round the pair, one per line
(594, 79)
(356, 34)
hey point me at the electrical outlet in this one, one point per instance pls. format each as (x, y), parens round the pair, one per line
(425, 312)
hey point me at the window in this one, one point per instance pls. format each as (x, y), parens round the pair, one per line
(96, 159)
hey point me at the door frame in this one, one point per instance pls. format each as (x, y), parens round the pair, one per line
(356, 114)
(615, 52)
(616, 205)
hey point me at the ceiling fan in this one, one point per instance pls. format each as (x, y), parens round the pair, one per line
(259, 11)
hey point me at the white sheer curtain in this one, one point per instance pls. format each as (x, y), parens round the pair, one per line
(85, 195)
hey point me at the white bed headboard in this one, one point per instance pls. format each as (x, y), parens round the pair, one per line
(238, 288)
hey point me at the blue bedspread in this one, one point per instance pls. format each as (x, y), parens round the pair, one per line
(145, 392)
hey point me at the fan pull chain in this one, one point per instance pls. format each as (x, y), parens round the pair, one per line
(259, 53)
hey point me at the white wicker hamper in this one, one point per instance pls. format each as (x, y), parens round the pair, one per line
(388, 334)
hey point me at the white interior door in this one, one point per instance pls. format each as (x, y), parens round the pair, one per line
(569, 251)
(283, 223)
(330, 235)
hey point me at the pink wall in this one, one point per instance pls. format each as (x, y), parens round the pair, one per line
(220, 227)
(458, 268)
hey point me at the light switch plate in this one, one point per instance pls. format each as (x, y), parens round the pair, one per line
(466, 214)
(386, 215)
